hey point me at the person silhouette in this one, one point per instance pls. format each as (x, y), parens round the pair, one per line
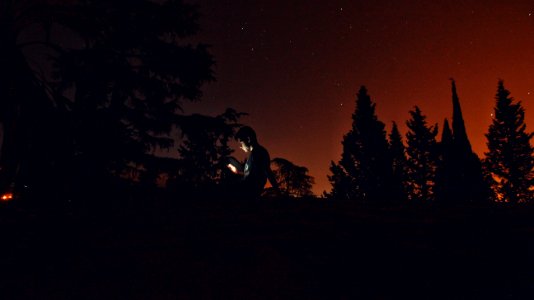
(257, 168)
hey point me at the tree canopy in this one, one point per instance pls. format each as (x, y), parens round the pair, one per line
(364, 172)
(422, 157)
(120, 75)
(509, 160)
(293, 180)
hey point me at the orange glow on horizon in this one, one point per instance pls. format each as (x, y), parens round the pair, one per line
(299, 85)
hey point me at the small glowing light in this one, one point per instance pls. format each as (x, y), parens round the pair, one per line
(7, 197)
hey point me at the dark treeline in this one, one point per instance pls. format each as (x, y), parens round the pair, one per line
(379, 169)
(84, 129)
(81, 128)
(98, 215)
(110, 94)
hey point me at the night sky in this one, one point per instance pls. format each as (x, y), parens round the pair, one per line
(296, 66)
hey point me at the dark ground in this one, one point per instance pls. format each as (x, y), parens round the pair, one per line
(276, 249)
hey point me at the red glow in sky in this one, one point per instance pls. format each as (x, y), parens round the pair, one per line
(296, 66)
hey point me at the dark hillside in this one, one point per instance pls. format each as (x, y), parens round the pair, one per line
(276, 249)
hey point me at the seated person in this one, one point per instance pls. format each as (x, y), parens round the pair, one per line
(257, 168)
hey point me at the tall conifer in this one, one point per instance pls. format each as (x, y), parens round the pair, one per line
(459, 175)
(422, 157)
(509, 159)
(364, 171)
(398, 156)
(444, 172)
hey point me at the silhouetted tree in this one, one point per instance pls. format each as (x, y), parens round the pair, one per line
(341, 183)
(422, 157)
(125, 78)
(445, 171)
(398, 155)
(293, 180)
(459, 177)
(204, 148)
(365, 158)
(509, 158)
(29, 117)
(130, 78)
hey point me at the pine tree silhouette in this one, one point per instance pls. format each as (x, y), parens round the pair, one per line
(341, 182)
(365, 158)
(422, 157)
(398, 156)
(509, 160)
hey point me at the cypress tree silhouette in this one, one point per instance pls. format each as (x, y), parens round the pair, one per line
(509, 161)
(398, 156)
(422, 157)
(446, 135)
(460, 140)
(365, 158)
(444, 172)
(459, 176)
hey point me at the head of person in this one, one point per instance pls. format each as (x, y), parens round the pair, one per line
(246, 136)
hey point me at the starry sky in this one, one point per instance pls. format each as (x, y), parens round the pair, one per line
(296, 66)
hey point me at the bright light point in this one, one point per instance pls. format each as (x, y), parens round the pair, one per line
(7, 197)
(252, 49)
(341, 9)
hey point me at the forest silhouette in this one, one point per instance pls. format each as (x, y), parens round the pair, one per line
(92, 122)
(96, 213)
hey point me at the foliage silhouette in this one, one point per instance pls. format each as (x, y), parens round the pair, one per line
(399, 164)
(116, 95)
(422, 157)
(32, 132)
(445, 171)
(459, 177)
(509, 161)
(204, 148)
(364, 172)
(293, 180)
